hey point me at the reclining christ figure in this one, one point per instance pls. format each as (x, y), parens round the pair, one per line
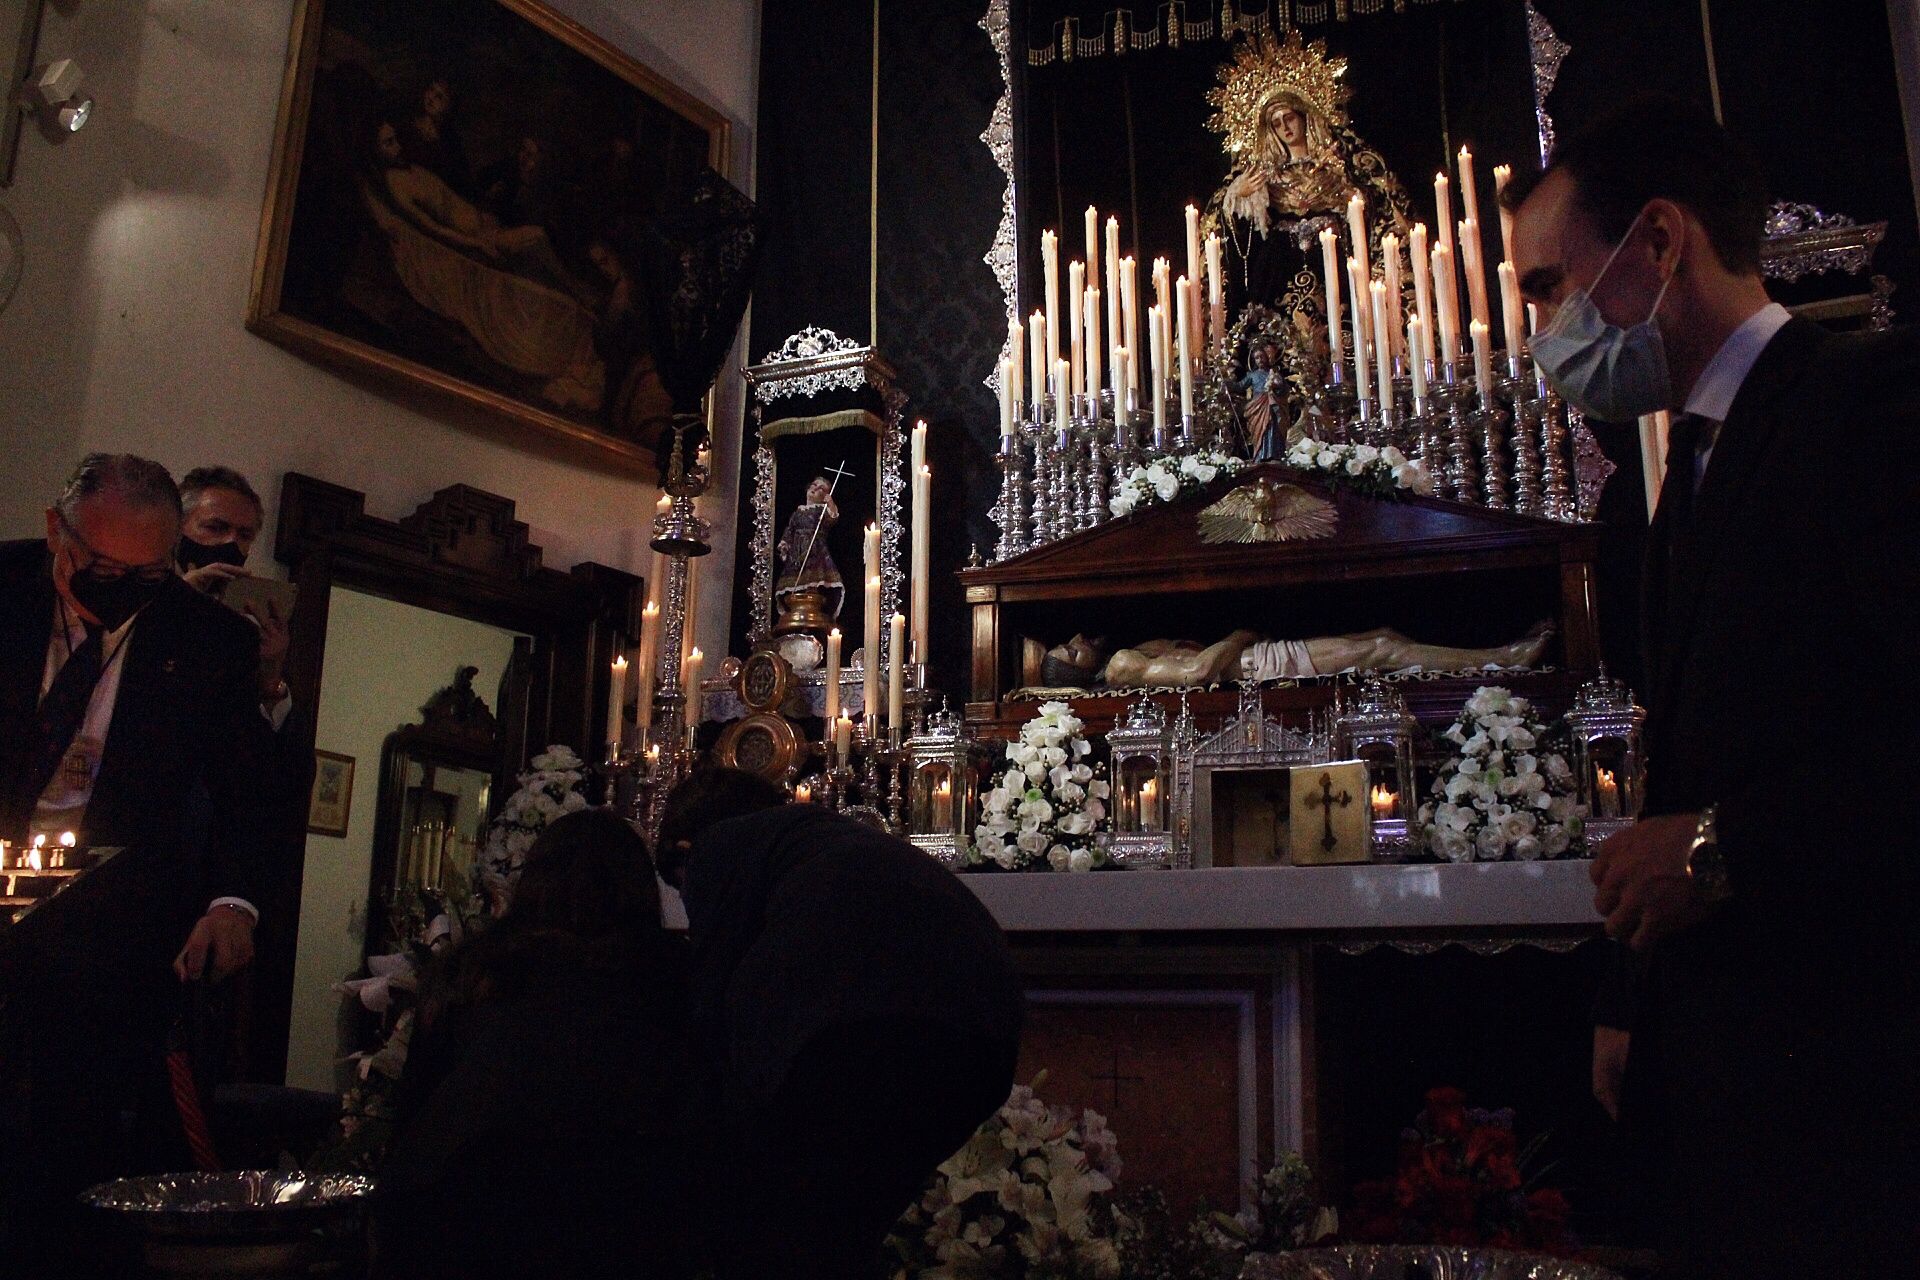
(1245, 656)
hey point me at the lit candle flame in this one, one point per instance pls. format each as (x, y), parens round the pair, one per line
(803, 794)
(66, 839)
(1383, 801)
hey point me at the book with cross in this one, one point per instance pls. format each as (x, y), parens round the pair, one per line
(1332, 821)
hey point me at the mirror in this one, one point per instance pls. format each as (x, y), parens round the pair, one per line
(436, 653)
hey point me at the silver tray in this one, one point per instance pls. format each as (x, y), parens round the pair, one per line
(1416, 1262)
(248, 1203)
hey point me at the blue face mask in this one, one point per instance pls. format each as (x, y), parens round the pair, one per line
(1606, 372)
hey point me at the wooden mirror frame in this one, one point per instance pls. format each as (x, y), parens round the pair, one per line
(460, 553)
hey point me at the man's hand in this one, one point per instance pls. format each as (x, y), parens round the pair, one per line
(274, 639)
(226, 935)
(1610, 1046)
(211, 577)
(1644, 889)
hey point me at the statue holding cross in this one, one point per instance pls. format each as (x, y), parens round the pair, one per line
(806, 562)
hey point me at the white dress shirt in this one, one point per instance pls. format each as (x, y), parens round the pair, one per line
(62, 806)
(1712, 395)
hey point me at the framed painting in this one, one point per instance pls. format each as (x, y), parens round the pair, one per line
(457, 196)
(331, 804)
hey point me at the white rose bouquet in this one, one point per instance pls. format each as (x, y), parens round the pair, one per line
(1029, 1195)
(1165, 478)
(1384, 472)
(1045, 810)
(1505, 794)
(549, 788)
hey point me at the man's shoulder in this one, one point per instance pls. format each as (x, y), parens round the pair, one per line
(210, 623)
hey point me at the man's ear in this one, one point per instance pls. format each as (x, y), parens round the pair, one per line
(53, 529)
(1666, 229)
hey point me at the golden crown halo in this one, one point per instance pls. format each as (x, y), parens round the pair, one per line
(1263, 66)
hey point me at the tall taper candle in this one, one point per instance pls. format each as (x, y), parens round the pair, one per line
(896, 672)
(922, 558)
(1006, 399)
(1110, 288)
(1193, 262)
(1383, 327)
(690, 681)
(833, 676)
(649, 665)
(1157, 390)
(1050, 269)
(1017, 350)
(1163, 287)
(1130, 307)
(1216, 291)
(1076, 326)
(1417, 357)
(1533, 327)
(1357, 282)
(1469, 193)
(1093, 247)
(1442, 213)
(1503, 174)
(1482, 361)
(1422, 278)
(870, 672)
(1122, 379)
(1390, 272)
(1062, 389)
(1330, 269)
(1183, 293)
(1095, 349)
(1510, 314)
(1473, 265)
(1357, 231)
(617, 702)
(1447, 308)
(843, 736)
(1037, 338)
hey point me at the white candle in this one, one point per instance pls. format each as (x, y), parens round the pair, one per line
(1062, 388)
(843, 736)
(1050, 268)
(1076, 317)
(1382, 344)
(1017, 354)
(1183, 294)
(1422, 278)
(1093, 247)
(1362, 367)
(1193, 253)
(1163, 288)
(690, 681)
(922, 559)
(1482, 361)
(1539, 378)
(1122, 379)
(1130, 303)
(1502, 174)
(617, 702)
(1417, 361)
(649, 664)
(1442, 213)
(1158, 389)
(870, 670)
(1357, 232)
(1216, 291)
(1094, 347)
(1006, 399)
(1473, 261)
(833, 676)
(1469, 196)
(1037, 334)
(1390, 269)
(1330, 269)
(1110, 288)
(1449, 305)
(1510, 314)
(896, 671)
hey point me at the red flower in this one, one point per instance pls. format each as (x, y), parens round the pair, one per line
(1447, 1111)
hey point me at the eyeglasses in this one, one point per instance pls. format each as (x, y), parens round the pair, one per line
(107, 568)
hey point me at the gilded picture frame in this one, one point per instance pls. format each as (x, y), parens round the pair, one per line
(330, 805)
(453, 192)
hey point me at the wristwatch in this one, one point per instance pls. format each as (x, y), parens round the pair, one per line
(1705, 863)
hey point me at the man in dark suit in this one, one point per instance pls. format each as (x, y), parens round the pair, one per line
(129, 715)
(1766, 893)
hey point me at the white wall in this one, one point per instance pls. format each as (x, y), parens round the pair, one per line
(384, 660)
(128, 329)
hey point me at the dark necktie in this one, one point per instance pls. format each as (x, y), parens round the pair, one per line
(62, 711)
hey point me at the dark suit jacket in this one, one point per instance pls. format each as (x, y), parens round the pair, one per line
(181, 775)
(1784, 665)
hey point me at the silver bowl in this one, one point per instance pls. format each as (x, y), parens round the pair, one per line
(245, 1205)
(1416, 1262)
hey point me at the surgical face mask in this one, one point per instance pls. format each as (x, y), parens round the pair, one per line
(1606, 372)
(198, 555)
(111, 594)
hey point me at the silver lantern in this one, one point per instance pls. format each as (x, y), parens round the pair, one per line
(1376, 727)
(1142, 772)
(942, 794)
(1605, 726)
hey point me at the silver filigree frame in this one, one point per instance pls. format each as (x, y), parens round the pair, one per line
(806, 364)
(1549, 51)
(1003, 255)
(1252, 739)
